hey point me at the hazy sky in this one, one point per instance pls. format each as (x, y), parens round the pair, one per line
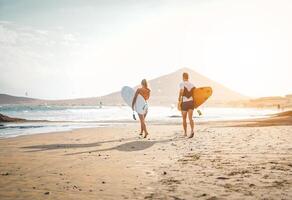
(65, 49)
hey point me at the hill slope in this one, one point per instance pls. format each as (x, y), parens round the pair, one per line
(8, 99)
(164, 91)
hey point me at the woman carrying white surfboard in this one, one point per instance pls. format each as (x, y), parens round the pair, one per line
(144, 91)
(186, 102)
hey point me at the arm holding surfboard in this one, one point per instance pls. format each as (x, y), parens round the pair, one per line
(138, 104)
(200, 95)
(134, 99)
(134, 102)
(180, 99)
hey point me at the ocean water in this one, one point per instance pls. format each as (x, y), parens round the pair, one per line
(62, 118)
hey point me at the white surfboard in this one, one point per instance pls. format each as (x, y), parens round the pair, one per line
(128, 95)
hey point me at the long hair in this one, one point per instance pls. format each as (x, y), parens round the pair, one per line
(144, 83)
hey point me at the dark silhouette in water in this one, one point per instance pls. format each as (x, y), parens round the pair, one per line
(4, 118)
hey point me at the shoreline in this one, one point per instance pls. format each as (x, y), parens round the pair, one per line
(222, 161)
(282, 118)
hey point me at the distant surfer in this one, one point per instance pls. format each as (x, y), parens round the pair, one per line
(144, 91)
(186, 102)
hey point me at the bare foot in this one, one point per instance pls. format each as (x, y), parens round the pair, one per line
(145, 136)
(192, 135)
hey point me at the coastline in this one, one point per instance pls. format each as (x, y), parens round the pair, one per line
(222, 161)
(32, 127)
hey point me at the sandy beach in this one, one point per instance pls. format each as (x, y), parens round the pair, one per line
(79, 79)
(225, 160)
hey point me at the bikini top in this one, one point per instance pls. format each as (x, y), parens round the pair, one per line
(145, 93)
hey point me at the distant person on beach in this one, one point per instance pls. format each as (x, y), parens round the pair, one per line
(144, 91)
(187, 103)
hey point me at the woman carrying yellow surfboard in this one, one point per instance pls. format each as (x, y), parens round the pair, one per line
(186, 103)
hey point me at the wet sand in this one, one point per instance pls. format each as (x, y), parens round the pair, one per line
(225, 160)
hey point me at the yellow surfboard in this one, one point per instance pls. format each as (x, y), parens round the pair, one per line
(200, 95)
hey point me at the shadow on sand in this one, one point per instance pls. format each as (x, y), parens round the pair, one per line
(129, 146)
(137, 145)
(47, 147)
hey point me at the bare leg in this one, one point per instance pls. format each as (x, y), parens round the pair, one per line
(143, 125)
(141, 129)
(184, 117)
(141, 132)
(145, 114)
(190, 115)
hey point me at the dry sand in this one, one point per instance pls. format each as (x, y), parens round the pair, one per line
(220, 162)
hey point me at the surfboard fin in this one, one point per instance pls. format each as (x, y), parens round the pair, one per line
(199, 112)
(134, 117)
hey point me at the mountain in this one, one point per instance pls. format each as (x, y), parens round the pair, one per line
(164, 91)
(8, 99)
